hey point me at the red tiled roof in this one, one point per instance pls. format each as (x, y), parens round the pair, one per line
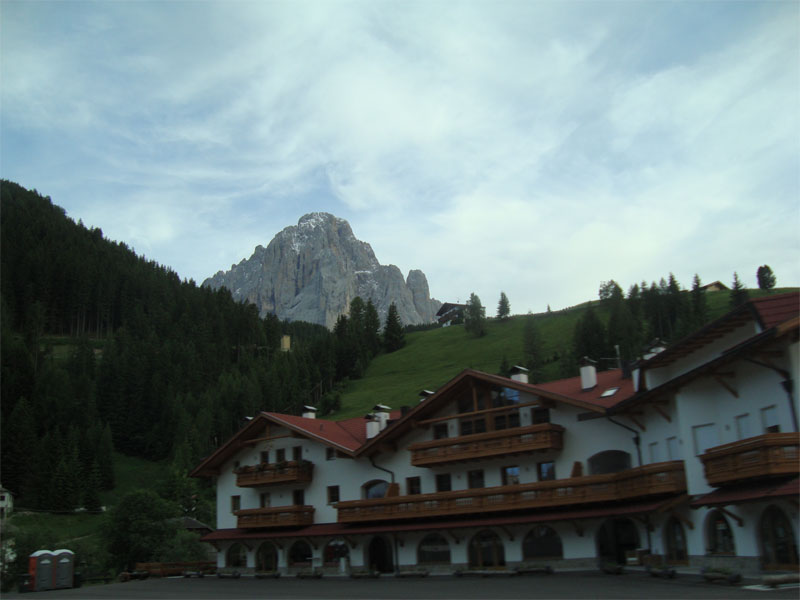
(748, 492)
(334, 529)
(571, 389)
(774, 310)
(329, 431)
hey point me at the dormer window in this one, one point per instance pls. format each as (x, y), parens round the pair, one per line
(440, 431)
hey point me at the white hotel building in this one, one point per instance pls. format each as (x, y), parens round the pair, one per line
(691, 461)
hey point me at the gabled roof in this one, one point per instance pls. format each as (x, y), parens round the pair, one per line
(346, 436)
(567, 391)
(448, 306)
(767, 312)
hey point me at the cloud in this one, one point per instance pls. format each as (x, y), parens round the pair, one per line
(533, 148)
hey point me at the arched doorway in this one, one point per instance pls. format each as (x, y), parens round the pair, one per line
(609, 461)
(236, 556)
(375, 489)
(486, 551)
(778, 545)
(434, 549)
(334, 552)
(675, 542)
(379, 555)
(542, 542)
(266, 558)
(719, 535)
(300, 555)
(616, 537)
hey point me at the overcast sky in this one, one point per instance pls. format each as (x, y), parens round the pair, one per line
(536, 148)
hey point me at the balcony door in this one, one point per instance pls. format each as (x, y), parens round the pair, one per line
(266, 558)
(676, 542)
(616, 537)
(379, 555)
(486, 551)
(778, 544)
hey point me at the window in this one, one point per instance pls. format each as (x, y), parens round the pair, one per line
(433, 549)
(440, 431)
(413, 486)
(334, 552)
(280, 455)
(546, 471)
(265, 456)
(609, 461)
(330, 454)
(236, 465)
(475, 479)
(719, 534)
(300, 554)
(236, 503)
(375, 489)
(769, 419)
(236, 556)
(264, 499)
(333, 494)
(542, 542)
(655, 452)
(443, 482)
(673, 448)
(705, 437)
(469, 427)
(540, 415)
(506, 421)
(509, 475)
(298, 497)
(297, 453)
(743, 429)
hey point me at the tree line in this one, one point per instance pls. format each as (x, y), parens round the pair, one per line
(102, 349)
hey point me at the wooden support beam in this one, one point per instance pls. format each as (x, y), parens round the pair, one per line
(637, 423)
(453, 535)
(508, 533)
(311, 542)
(682, 519)
(736, 518)
(352, 542)
(725, 384)
(660, 411)
(578, 527)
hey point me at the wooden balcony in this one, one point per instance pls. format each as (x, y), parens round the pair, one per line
(490, 444)
(267, 474)
(650, 480)
(767, 455)
(282, 516)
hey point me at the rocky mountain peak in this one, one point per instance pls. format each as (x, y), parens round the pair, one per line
(311, 272)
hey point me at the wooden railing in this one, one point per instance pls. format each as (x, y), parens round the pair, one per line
(282, 516)
(767, 455)
(649, 480)
(274, 473)
(517, 440)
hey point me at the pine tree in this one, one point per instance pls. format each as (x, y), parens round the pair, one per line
(766, 278)
(372, 326)
(105, 459)
(738, 294)
(699, 303)
(589, 337)
(531, 349)
(503, 307)
(475, 316)
(91, 495)
(393, 336)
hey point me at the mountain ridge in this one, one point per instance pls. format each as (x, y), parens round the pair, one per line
(312, 271)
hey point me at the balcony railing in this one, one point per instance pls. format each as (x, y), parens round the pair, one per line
(649, 480)
(282, 516)
(767, 455)
(517, 440)
(274, 473)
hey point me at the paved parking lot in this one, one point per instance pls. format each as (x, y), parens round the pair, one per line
(561, 585)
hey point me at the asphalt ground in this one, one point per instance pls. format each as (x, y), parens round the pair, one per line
(587, 585)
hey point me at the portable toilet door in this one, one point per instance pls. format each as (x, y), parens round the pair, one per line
(64, 561)
(40, 569)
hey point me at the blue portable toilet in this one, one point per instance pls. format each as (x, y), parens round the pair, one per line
(64, 565)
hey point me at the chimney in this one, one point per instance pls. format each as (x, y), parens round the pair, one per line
(635, 376)
(588, 373)
(373, 425)
(381, 412)
(519, 374)
(309, 412)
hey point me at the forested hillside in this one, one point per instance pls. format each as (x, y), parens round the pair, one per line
(102, 349)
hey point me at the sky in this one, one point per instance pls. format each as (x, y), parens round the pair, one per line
(537, 148)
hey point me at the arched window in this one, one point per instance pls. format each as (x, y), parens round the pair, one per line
(542, 542)
(778, 545)
(719, 534)
(266, 558)
(609, 461)
(675, 539)
(433, 550)
(236, 556)
(375, 489)
(486, 551)
(335, 550)
(300, 554)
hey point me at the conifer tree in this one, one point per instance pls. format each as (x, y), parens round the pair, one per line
(589, 337)
(503, 307)
(738, 294)
(766, 278)
(475, 316)
(531, 349)
(393, 336)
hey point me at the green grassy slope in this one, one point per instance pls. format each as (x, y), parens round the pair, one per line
(431, 358)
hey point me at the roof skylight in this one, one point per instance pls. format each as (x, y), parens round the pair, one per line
(609, 392)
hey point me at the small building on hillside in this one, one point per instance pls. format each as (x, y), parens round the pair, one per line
(6, 502)
(716, 286)
(450, 313)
